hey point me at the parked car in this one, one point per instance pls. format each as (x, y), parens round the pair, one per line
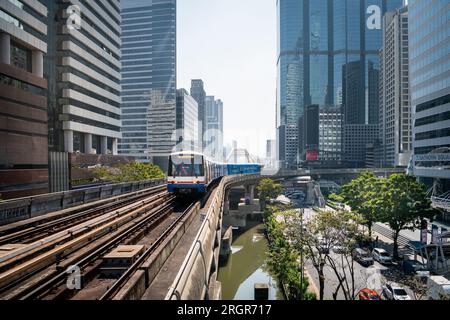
(393, 291)
(368, 294)
(415, 267)
(363, 257)
(339, 249)
(382, 256)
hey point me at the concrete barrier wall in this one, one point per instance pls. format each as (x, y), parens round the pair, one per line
(25, 208)
(197, 272)
(135, 289)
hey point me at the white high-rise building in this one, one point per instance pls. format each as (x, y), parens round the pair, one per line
(395, 103)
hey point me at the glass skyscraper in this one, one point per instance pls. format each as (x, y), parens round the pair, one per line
(328, 54)
(429, 50)
(148, 79)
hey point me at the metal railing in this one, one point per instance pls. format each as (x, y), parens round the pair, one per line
(24, 208)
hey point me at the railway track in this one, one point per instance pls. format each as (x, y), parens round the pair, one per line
(50, 254)
(29, 232)
(40, 258)
(54, 285)
(120, 283)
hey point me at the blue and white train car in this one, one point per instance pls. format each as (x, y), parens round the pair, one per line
(193, 172)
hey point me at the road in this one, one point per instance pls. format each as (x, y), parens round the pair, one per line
(373, 277)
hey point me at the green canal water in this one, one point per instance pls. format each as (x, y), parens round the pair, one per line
(247, 265)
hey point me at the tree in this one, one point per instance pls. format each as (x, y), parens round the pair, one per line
(318, 236)
(361, 195)
(336, 198)
(404, 204)
(137, 171)
(283, 262)
(130, 172)
(268, 189)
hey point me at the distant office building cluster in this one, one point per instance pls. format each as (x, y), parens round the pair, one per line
(210, 121)
(328, 55)
(389, 76)
(148, 79)
(93, 82)
(187, 122)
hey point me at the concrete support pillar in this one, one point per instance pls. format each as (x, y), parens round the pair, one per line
(38, 63)
(88, 143)
(68, 141)
(5, 48)
(249, 194)
(226, 207)
(104, 145)
(115, 143)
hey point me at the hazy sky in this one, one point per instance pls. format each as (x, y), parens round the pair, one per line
(231, 45)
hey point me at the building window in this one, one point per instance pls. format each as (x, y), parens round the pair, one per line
(20, 57)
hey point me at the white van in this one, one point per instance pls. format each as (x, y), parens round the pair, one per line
(438, 286)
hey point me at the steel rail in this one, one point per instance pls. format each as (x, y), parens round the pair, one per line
(71, 220)
(88, 257)
(109, 294)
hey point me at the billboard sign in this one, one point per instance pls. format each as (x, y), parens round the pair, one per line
(312, 155)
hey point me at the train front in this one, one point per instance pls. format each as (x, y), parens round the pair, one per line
(186, 173)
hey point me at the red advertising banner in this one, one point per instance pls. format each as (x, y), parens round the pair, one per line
(312, 155)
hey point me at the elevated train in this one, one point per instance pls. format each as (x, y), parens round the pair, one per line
(192, 172)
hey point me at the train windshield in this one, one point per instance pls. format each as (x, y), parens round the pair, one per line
(186, 165)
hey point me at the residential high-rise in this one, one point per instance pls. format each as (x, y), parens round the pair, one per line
(199, 94)
(429, 50)
(187, 122)
(213, 140)
(395, 109)
(328, 54)
(148, 79)
(23, 99)
(83, 70)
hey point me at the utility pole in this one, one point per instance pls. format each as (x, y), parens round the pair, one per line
(302, 276)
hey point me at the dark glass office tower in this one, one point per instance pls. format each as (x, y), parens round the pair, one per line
(328, 54)
(148, 79)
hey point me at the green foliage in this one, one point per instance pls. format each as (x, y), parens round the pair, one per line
(336, 197)
(268, 189)
(399, 201)
(100, 173)
(130, 172)
(362, 195)
(404, 204)
(283, 262)
(137, 171)
(316, 236)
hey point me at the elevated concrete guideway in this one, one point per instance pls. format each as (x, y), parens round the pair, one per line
(341, 172)
(184, 265)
